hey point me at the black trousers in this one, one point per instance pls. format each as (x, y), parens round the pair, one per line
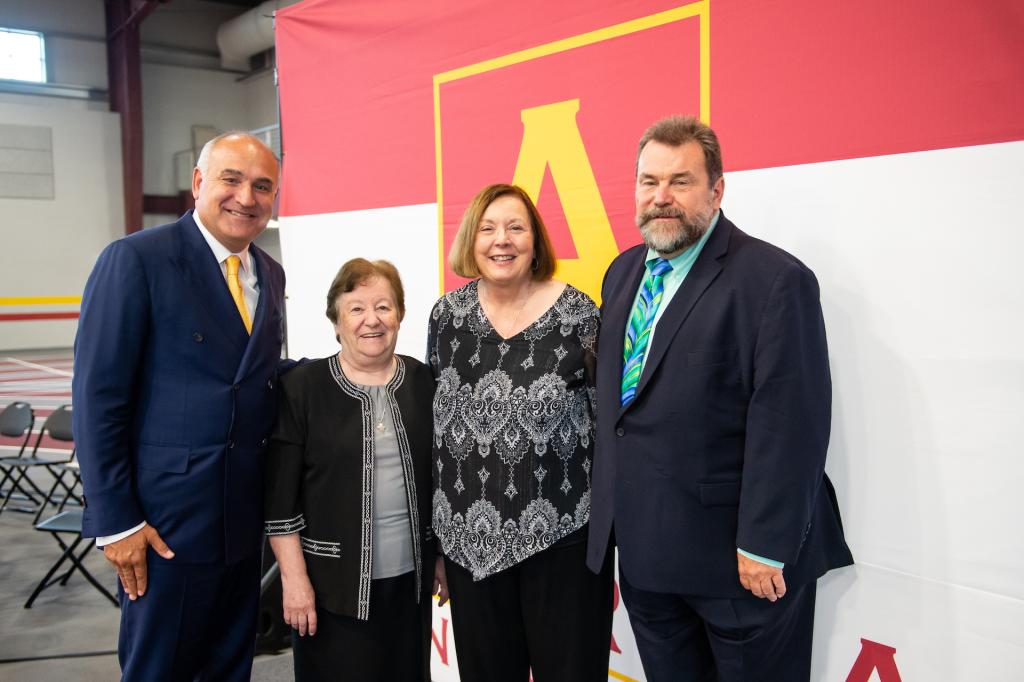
(708, 639)
(549, 614)
(392, 646)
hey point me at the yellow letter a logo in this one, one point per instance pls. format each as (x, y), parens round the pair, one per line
(552, 139)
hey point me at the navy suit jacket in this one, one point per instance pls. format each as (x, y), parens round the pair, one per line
(724, 444)
(173, 400)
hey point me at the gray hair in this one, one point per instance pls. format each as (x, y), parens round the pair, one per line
(203, 162)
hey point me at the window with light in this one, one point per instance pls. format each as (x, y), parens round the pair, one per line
(22, 57)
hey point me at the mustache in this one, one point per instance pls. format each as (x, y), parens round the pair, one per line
(656, 213)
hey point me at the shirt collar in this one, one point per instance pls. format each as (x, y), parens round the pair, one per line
(692, 252)
(220, 252)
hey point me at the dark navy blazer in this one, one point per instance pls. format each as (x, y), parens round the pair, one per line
(724, 445)
(173, 400)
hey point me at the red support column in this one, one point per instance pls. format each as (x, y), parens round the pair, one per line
(125, 86)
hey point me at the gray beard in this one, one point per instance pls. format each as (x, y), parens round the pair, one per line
(672, 241)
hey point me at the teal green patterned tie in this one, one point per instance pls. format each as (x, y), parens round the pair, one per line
(638, 333)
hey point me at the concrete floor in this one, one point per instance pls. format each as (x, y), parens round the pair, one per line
(68, 620)
(70, 633)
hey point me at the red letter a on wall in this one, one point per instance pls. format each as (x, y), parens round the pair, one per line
(874, 656)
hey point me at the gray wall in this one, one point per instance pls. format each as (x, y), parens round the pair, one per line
(49, 245)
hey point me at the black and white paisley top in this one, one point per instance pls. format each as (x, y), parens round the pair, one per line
(513, 429)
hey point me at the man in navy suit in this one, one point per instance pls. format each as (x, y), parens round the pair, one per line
(714, 404)
(174, 391)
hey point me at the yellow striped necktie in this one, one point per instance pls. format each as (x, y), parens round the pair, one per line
(235, 287)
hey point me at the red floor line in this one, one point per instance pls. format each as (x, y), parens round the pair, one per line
(22, 317)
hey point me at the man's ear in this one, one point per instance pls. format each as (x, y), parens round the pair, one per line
(197, 179)
(719, 192)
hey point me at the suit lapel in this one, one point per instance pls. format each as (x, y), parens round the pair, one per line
(700, 277)
(207, 286)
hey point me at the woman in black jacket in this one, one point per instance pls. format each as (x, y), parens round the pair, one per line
(348, 493)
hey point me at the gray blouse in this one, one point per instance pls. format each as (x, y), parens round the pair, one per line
(392, 537)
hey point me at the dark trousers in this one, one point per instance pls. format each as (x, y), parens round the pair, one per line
(195, 622)
(548, 613)
(706, 639)
(392, 646)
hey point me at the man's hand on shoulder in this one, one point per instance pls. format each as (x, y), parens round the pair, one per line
(764, 581)
(128, 556)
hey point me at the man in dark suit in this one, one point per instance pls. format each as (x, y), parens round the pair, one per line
(714, 404)
(174, 391)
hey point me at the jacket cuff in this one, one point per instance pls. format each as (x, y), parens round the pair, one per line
(285, 526)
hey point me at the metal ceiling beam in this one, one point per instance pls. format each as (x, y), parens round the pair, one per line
(140, 9)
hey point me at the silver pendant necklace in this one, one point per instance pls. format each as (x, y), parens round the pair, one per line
(376, 396)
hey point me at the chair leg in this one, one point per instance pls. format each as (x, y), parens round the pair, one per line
(69, 554)
(10, 491)
(72, 495)
(46, 582)
(28, 479)
(46, 499)
(69, 492)
(77, 561)
(16, 485)
(63, 578)
(7, 475)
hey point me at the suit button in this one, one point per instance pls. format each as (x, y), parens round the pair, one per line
(231, 444)
(620, 431)
(197, 337)
(263, 443)
(235, 387)
(270, 384)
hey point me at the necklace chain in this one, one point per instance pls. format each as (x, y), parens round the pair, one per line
(377, 394)
(515, 318)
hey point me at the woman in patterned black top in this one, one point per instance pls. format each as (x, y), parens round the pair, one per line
(513, 353)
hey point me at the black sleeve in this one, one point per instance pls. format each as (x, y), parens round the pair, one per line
(282, 499)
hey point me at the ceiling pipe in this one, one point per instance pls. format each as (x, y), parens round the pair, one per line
(247, 34)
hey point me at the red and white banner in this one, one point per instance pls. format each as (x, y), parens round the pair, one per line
(882, 143)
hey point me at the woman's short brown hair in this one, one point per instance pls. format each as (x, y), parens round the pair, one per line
(360, 271)
(461, 257)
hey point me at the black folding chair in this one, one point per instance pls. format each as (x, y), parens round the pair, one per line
(68, 522)
(16, 420)
(70, 486)
(58, 426)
